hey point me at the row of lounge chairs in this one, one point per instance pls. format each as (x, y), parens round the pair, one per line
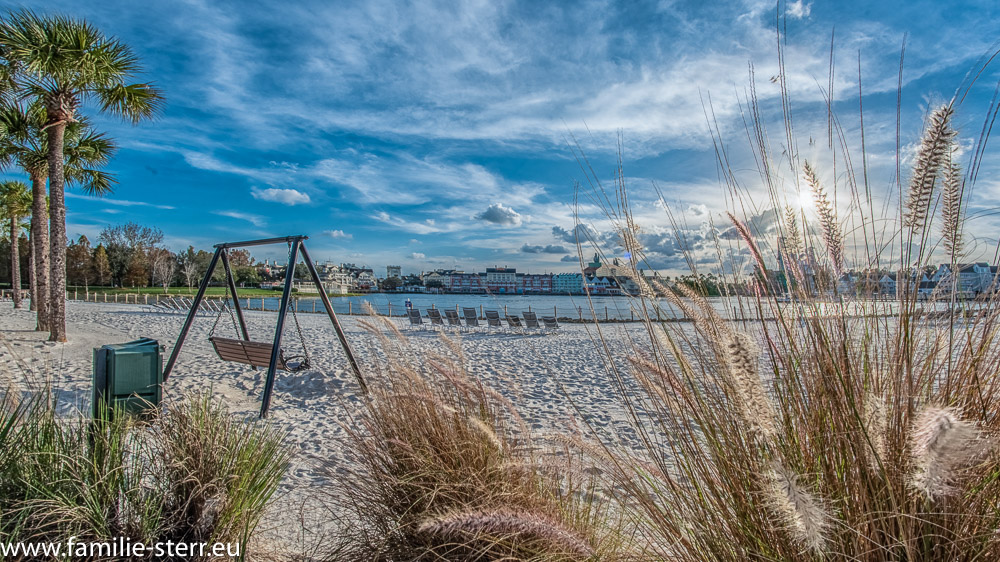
(527, 320)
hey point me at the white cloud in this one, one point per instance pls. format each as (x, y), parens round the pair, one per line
(798, 10)
(417, 256)
(698, 211)
(498, 213)
(339, 234)
(284, 196)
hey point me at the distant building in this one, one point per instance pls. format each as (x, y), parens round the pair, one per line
(596, 285)
(536, 283)
(440, 278)
(393, 271)
(567, 283)
(467, 282)
(501, 280)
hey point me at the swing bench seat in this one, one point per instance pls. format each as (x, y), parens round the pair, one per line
(256, 354)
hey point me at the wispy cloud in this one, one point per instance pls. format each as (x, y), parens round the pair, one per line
(118, 202)
(255, 220)
(427, 226)
(339, 234)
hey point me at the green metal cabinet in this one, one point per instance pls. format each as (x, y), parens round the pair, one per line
(127, 376)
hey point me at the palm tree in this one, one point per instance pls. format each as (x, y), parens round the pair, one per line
(27, 145)
(63, 63)
(15, 204)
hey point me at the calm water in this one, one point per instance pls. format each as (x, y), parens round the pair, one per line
(612, 308)
(574, 307)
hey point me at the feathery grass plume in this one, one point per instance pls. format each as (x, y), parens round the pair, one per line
(931, 155)
(830, 228)
(875, 428)
(793, 239)
(741, 354)
(522, 526)
(951, 210)
(942, 444)
(487, 432)
(801, 514)
(744, 232)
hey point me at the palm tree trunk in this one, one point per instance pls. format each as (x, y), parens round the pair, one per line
(57, 230)
(31, 275)
(15, 261)
(40, 251)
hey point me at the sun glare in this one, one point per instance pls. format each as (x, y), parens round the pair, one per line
(805, 201)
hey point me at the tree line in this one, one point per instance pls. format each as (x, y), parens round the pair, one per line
(52, 70)
(131, 255)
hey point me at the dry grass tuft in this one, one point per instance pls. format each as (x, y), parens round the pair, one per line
(943, 444)
(832, 238)
(741, 354)
(191, 473)
(951, 211)
(931, 156)
(542, 533)
(799, 512)
(446, 473)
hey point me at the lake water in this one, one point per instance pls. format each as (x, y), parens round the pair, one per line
(561, 306)
(575, 307)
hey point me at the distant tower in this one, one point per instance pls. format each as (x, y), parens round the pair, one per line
(393, 271)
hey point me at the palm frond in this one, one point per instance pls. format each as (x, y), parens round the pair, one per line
(133, 102)
(92, 182)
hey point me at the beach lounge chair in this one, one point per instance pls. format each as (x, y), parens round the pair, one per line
(471, 319)
(550, 322)
(514, 322)
(434, 315)
(493, 319)
(530, 320)
(414, 316)
(452, 317)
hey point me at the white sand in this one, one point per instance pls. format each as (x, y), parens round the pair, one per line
(311, 405)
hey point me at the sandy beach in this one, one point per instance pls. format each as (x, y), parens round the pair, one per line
(535, 370)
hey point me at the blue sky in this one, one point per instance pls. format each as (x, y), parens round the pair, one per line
(435, 135)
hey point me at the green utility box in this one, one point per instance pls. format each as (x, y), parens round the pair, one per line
(127, 376)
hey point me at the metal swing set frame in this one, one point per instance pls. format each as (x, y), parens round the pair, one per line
(296, 244)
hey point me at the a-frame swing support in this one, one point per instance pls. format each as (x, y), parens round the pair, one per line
(295, 245)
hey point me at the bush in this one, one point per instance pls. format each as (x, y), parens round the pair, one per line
(446, 473)
(190, 474)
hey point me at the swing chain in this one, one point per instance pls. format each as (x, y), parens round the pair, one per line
(225, 301)
(302, 339)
